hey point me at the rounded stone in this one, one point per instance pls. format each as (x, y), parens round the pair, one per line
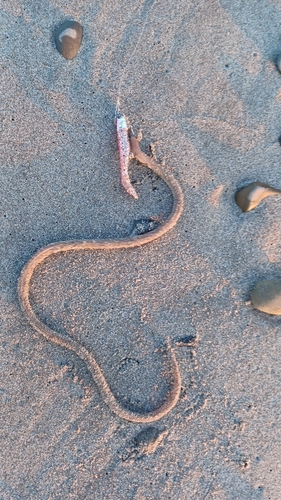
(148, 440)
(68, 38)
(266, 296)
(250, 196)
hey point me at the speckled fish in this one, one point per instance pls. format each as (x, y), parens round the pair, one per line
(125, 154)
(250, 196)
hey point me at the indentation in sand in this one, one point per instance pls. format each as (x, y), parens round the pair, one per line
(214, 197)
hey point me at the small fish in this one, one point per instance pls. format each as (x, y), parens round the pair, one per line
(250, 196)
(125, 154)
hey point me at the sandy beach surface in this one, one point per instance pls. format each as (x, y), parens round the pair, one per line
(203, 86)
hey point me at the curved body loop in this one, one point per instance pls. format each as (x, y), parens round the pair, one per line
(130, 242)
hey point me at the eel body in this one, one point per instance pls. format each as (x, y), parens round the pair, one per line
(133, 150)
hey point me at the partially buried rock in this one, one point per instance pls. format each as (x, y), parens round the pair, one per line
(266, 296)
(278, 63)
(68, 38)
(250, 196)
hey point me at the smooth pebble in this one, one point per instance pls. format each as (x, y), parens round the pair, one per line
(187, 341)
(250, 196)
(266, 296)
(68, 37)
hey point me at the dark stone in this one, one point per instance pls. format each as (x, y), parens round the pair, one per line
(68, 37)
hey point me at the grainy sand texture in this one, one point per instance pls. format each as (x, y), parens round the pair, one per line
(199, 78)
